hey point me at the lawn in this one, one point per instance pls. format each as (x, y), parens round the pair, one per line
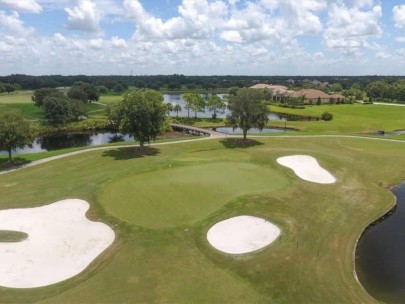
(162, 203)
(348, 119)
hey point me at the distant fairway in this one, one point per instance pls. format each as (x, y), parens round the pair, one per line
(162, 205)
(190, 193)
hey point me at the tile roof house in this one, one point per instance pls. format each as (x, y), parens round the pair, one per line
(311, 95)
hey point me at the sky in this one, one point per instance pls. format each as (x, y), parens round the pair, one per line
(202, 37)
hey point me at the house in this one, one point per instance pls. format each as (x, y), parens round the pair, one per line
(279, 91)
(291, 81)
(311, 95)
(337, 97)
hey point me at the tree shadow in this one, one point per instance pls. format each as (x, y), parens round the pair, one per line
(131, 153)
(17, 162)
(232, 143)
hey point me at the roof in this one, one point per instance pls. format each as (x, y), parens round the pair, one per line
(260, 86)
(280, 89)
(310, 94)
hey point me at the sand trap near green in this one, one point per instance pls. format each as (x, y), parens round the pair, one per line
(307, 168)
(242, 234)
(61, 243)
(177, 196)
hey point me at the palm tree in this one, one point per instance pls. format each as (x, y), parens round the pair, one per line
(177, 109)
(169, 108)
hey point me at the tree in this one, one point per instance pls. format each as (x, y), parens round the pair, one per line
(77, 93)
(248, 110)
(188, 99)
(141, 114)
(118, 88)
(9, 88)
(40, 94)
(83, 91)
(169, 107)
(377, 89)
(198, 104)
(215, 103)
(336, 87)
(57, 109)
(15, 132)
(102, 89)
(177, 108)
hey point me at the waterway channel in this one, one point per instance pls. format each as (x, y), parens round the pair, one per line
(380, 255)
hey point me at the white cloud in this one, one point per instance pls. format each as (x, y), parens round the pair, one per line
(12, 23)
(84, 17)
(231, 36)
(400, 39)
(30, 6)
(351, 27)
(96, 44)
(399, 16)
(118, 42)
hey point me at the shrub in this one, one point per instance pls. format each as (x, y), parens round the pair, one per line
(326, 116)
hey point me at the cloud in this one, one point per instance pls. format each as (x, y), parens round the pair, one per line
(351, 27)
(12, 23)
(30, 6)
(118, 42)
(399, 16)
(84, 17)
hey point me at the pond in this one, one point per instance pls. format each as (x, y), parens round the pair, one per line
(229, 130)
(380, 255)
(59, 141)
(177, 99)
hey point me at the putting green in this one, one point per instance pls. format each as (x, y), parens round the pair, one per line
(190, 192)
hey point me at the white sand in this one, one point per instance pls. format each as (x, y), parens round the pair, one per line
(307, 168)
(61, 243)
(242, 234)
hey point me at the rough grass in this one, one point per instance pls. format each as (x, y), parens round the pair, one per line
(312, 261)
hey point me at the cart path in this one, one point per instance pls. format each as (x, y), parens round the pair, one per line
(213, 135)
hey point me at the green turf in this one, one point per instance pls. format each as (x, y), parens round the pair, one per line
(16, 97)
(348, 119)
(312, 261)
(191, 192)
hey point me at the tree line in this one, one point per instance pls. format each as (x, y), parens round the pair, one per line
(178, 81)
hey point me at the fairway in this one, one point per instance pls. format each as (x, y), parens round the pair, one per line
(161, 206)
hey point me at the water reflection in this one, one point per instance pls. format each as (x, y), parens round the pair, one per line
(59, 141)
(380, 255)
(177, 99)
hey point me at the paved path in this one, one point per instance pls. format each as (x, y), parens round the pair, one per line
(213, 135)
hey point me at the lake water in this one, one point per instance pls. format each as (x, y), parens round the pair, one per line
(59, 141)
(380, 255)
(177, 99)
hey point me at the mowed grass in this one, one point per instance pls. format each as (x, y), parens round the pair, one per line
(348, 119)
(191, 192)
(311, 262)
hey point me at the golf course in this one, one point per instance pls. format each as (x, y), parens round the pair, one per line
(160, 202)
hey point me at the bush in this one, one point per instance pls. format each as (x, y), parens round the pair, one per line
(326, 116)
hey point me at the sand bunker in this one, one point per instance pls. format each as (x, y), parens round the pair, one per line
(307, 168)
(242, 234)
(61, 243)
